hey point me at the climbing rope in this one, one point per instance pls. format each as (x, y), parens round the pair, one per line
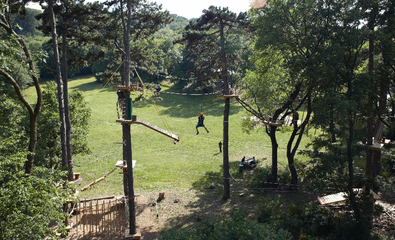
(113, 75)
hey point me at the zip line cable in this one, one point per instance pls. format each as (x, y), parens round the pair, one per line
(156, 107)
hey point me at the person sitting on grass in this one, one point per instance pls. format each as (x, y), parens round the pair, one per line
(200, 123)
(252, 162)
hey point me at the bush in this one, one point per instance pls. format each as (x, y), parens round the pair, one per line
(237, 227)
(388, 162)
(311, 221)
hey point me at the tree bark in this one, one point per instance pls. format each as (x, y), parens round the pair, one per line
(126, 127)
(369, 172)
(59, 84)
(292, 151)
(273, 140)
(225, 146)
(33, 114)
(65, 52)
(272, 131)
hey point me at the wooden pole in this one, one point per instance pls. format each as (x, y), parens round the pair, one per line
(111, 216)
(77, 216)
(97, 218)
(103, 219)
(225, 145)
(90, 219)
(83, 225)
(132, 217)
(116, 216)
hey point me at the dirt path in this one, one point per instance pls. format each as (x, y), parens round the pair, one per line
(151, 216)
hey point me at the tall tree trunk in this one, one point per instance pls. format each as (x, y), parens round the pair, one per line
(350, 162)
(225, 149)
(369, 172)
(273, 140)
(126, 127)
(272, 131)
(226, 118)
(65, 52)
(60, 85)
(292, 151)
(33, 113)
(349, 152)
(382, 109)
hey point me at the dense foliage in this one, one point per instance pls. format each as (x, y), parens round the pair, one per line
(29, 202)
(234, 227)
(48, 147)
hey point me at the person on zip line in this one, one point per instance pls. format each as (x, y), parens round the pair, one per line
(200, 123)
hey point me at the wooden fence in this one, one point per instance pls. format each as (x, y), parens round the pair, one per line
(99, 217)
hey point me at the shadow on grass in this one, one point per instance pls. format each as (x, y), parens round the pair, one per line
(174, 105)
(90, 86)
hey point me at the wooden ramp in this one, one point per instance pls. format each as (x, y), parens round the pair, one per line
(149, 125)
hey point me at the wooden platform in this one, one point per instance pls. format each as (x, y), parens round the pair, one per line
(137, 235)
(119, 164)
(155, 128)
(385, 141)
(341, 197)
(77, 179)
(130, 89)
(228, 96)
(275, 124)
(376, 146)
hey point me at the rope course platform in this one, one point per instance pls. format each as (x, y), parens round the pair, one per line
(228, 96)
(379, 144)
(275, 124)
(341, 197)
(378, 140)
(130, 89)
(123, 165)
(149, 125)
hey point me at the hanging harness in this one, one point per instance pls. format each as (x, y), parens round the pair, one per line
(200, 121)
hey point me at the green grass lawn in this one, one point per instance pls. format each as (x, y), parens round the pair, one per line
(160, 163)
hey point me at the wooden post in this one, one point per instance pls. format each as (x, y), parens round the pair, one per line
(83, 225)
(90, 219)
(116, 216)
(77, 215)
(225, 138)
(123, 216)
(103, 219)
(111, 216)
(97, 218)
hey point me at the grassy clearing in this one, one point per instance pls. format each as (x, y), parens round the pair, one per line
(160, 163)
